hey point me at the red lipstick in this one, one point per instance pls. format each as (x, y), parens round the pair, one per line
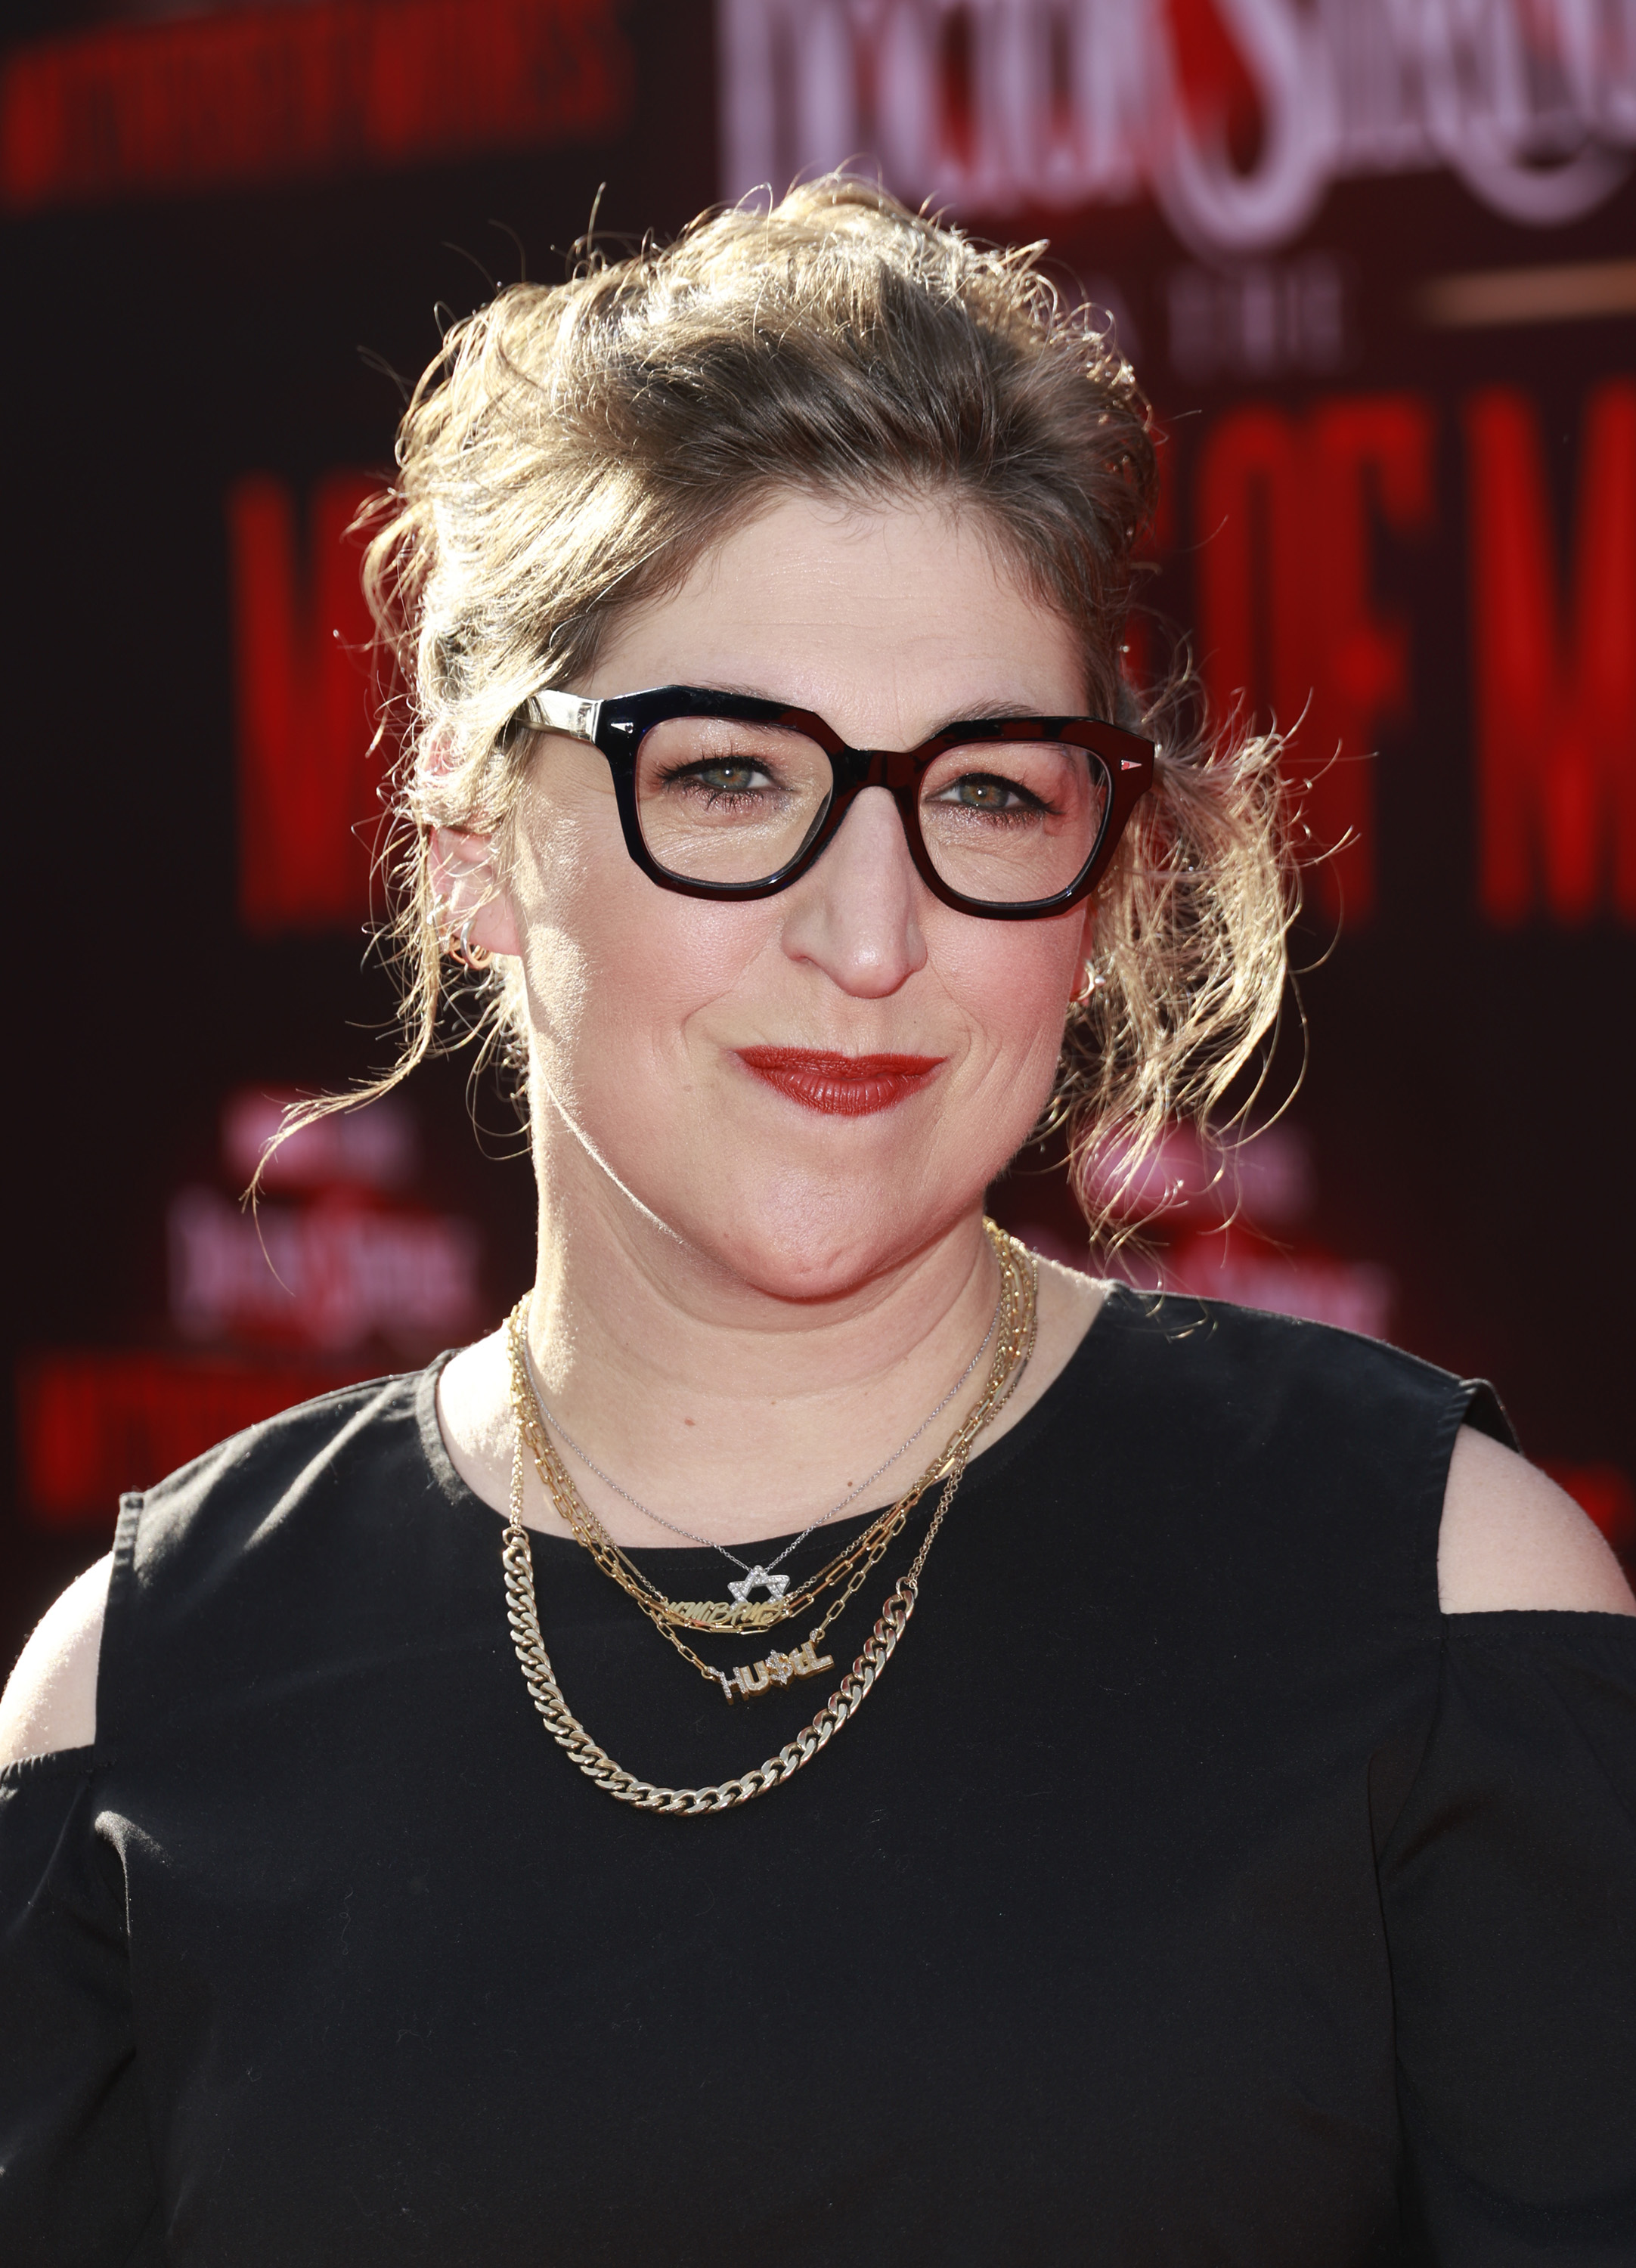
(842, 1086)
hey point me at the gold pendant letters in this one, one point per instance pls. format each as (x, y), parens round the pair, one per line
(714, 1613)
(776, 1669)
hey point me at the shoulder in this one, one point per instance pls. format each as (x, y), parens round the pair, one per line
(1282, 1379)
(50, 1699)
(1507, 1538)
(263, 1504)
(1511, 1539)
(256, 1481)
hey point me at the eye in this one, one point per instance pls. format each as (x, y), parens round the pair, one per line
(722, 775)
(988, 792)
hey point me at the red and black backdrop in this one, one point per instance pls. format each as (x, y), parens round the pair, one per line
(1377, 265)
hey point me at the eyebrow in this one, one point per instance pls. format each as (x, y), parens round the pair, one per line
(981, 708)
(977, 712)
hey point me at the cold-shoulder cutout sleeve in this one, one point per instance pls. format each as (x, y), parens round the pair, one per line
(1508, 1889)
(77, 2185)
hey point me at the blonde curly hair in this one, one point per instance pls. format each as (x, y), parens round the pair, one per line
(573, 450)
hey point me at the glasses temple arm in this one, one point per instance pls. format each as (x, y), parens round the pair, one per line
(563, 712)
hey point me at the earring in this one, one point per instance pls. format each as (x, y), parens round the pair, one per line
(459, 948)
(469, 955)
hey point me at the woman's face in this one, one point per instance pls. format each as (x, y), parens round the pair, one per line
(889, 624)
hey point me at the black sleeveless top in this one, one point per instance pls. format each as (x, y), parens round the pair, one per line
(1188, 1890)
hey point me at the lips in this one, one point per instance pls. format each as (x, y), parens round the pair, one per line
(842, 1086)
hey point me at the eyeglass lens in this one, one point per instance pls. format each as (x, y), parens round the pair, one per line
(1004, 821)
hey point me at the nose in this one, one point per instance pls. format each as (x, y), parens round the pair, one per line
(855, 915)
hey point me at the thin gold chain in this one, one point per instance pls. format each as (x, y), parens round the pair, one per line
(523, 1616)
(555, 1425)
(1013, 1334)
(753, 1615)
(1014, 1344)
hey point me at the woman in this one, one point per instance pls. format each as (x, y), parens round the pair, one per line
(1192, 1889)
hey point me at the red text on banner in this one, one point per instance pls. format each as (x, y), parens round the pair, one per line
(1553, 662)
(271, 93)
(1284, 512)
(310, 767)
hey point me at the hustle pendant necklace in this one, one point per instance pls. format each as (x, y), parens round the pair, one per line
(776, 1669)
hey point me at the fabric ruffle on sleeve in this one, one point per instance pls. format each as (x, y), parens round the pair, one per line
(77, 2186)
(1509, 1888)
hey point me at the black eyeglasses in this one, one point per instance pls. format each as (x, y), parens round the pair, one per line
(723, 796)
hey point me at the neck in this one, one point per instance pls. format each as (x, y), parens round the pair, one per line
(734, 1409)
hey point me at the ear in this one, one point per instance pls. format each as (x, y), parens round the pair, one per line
(464, 874)
(1085, 981)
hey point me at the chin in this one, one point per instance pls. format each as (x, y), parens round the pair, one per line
(800, 1238)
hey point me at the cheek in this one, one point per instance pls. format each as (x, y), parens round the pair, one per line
(615, 966)
(1012, 982)
(548, 891)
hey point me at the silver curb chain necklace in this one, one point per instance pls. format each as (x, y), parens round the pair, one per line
(758, 1577)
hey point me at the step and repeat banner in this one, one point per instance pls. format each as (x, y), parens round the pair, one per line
(1375, 261)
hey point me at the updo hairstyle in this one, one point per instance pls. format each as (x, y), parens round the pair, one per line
(574, 449)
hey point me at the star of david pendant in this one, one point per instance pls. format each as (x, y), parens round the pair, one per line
(758, 1579)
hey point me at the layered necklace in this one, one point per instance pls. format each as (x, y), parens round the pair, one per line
(1012, 1332)
(758, 1577)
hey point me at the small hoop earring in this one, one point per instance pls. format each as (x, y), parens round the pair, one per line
(469, 955)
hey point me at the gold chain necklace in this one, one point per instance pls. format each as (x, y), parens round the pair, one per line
(756, 1577)
(523, 1616)
(746, 1614)
(706, 1615)
(1014, 1333)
